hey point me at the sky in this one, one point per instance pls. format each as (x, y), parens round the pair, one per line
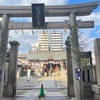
(25, 40)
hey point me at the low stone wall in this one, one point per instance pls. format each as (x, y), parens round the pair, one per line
(96, 91)
(89, 79)
(87, 90)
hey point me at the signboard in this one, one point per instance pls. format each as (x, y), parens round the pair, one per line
(38, 17)
(78, 74)
(0, 75)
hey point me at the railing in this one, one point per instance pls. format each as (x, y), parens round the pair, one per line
(89, 78)
(89, 73)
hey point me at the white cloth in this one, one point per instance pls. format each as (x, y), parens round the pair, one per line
(28, 72)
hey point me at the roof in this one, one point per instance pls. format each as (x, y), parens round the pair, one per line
(20, 63)
(58, 55)
(22, 55)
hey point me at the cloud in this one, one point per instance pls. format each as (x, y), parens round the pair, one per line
(91, 33)
(26, 39)
(9, 2)
(94, 16)
(29, 2)
(47, 2)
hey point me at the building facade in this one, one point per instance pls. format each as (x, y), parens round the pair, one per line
(56, 42)
(43, 42)
(50, 42)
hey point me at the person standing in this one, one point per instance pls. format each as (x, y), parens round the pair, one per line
(47, 72)
(59, 68)
(28, 75)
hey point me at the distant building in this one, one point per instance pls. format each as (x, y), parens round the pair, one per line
(48, 42)
(41, 58)
(56, 42)
(43, 42)
(34, 47)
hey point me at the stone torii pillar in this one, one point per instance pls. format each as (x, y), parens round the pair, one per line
(12, 69)
(69, 69)
(3, 49)
(75, 56)
(96, 88)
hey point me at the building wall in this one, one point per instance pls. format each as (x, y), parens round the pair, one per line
(48, 42)
(43, 42)
(56, 42)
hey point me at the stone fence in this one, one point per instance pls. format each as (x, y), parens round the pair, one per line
(89, 79)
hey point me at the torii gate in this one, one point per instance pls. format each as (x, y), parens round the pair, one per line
(6, 12)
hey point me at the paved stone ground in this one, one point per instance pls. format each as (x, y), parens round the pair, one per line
(32, 88)
(55, 88)
(36, 98)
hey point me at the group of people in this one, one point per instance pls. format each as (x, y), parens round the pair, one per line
(51, 68)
